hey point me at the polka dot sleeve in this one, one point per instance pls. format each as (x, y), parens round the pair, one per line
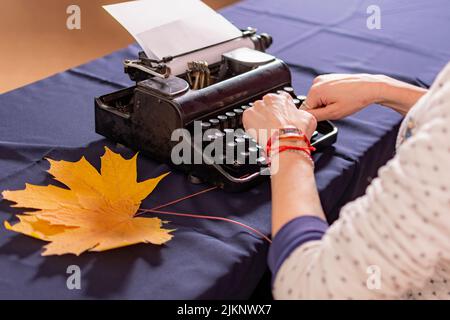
(390, 240)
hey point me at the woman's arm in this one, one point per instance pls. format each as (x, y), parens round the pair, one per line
(294, 191)
(398, 95)
(389, 240)
(385, 242)
(336, 96)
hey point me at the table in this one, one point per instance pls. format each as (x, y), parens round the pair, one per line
(210, 259)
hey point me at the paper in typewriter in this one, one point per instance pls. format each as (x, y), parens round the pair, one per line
(172, 27)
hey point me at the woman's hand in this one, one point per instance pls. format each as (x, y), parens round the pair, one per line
(274, 112)
(335, 96)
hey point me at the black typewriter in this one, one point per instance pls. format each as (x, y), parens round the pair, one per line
(188, 112)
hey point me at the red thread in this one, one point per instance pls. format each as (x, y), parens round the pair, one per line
(202, 216)
(199, 216)
(183, 198)
(289, 136)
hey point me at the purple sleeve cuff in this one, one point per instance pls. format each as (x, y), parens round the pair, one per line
(291, 236)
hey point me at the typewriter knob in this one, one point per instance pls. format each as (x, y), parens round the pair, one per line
(262, 41)
(266, 40)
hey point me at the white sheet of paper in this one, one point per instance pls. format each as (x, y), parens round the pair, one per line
(172, 27)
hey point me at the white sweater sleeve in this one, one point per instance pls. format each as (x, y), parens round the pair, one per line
(390, 239)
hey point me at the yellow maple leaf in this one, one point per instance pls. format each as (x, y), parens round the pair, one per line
(95, 213)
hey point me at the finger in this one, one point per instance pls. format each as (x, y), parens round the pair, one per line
(286, 95)
(258, 104)
(269, 99)
(325, 113)
(313, 99)
(245, 116)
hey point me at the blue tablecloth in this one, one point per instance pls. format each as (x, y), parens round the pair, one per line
(210, 259)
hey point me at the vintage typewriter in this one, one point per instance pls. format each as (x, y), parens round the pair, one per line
(206, 98)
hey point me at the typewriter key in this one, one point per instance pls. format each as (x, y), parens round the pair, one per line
(230, 150)
(301, 98)
(253, 149)
(245, 107)
(232, 119)
(238, 113)
(228, 131)
(240, 140)
(205, 126)
(297, 103)
(253, 153)
(243, 157)
(289, 90)
(261, 161)
(214, 123)
(231, 145)
(239, 133)
(220, 134)
(223, 121)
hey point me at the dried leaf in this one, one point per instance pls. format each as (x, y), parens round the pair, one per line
(95, 213)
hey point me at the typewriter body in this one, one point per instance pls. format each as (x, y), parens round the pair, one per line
(175, 114)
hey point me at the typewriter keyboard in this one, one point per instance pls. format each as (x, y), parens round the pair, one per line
(237, 152)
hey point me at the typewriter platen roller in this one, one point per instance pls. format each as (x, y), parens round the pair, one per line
(193, 120)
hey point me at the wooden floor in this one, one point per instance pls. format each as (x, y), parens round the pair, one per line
(35, 42)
